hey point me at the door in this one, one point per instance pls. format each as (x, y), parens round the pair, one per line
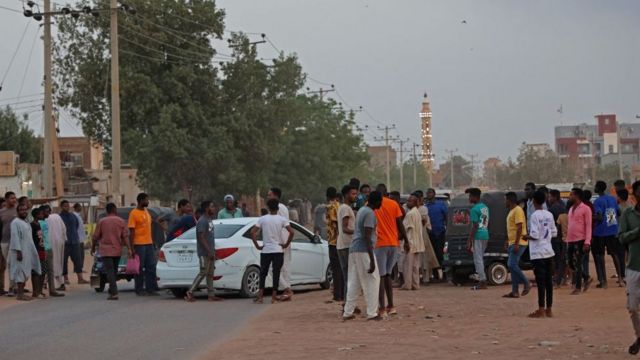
(306, 257)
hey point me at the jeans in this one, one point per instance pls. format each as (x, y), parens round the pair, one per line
(560, 259)
(479, 247)
(543, 270)
(576, 262)
(266, 260)
(513, 263)
(111, 270)
(206, 272)
(72, 251)
(598, 245)
(343, 256)
(336, 271)
(147, 275)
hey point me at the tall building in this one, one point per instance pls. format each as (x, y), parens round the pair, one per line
(603, 143)
(427, 146)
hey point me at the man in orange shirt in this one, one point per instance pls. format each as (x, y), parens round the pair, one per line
(142, 244)
(389, 217)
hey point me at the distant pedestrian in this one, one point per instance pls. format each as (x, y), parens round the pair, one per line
(559, 211)
(230, 211)
(605, 233)
(184, 223)
(529, 190)
(363, 197)
(579, 239)
(22, 253)
(413, 245)
(72, 245)
(206, 247)
(142, 243)
(363, 276)
(48, 268)
(82, 232)
(245, 211)
(630, 237)
(285, 273)
(389, 231)
(516, 245)
(438, 217)
(429, 262)
(7, 214)
(478, 235)
(331, 218)
(110, 236)
(346, 227)
(171, 219)
(542, 230)
(57, 237)
(37, 280)
(272, 248)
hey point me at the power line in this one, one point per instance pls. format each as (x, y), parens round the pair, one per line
(24, 32)
(28, 63)
(21, 102)
(10, 9)
(165, 53)
(272, 44)
(23, 96)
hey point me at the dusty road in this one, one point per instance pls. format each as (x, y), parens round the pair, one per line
(441, 322)
(84, 325)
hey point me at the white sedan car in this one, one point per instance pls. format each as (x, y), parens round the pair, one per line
(238, 261)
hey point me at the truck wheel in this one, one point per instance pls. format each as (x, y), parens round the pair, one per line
(250, 282)
(497, 273)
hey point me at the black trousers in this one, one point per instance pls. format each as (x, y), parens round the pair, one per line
(543, 271)
(271, 259)
(576, 256)
(336, 271)
(111, 269)
(72, 251)
(560, 259)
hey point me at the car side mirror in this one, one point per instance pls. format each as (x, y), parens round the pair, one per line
(317, 239)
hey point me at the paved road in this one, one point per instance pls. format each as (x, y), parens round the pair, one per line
(84, 325)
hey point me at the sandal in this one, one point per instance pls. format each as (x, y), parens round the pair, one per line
(536, 314)
(347, 318)
(375, 318)
(112, 297)
(215, 298)
(258, 301)
(189, 297)
(634, 348)
(526, 290)
(511, 296)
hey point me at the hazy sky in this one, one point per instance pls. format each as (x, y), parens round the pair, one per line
(493, 82)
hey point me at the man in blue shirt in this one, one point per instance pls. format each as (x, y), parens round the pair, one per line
(438, 217)
(605, 232)
(72, 247)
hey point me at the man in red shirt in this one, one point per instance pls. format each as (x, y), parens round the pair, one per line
(579, 239)
(389, 217)
(111, 235)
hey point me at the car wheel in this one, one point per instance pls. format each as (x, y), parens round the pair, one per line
(497, 273)
(179, 293)
(328, 279)
(103, 284)
(250, 282)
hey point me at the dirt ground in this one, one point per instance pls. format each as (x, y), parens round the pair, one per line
(441, 321)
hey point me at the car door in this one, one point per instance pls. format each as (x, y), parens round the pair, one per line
(306, 256)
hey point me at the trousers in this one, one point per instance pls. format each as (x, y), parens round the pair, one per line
(411, 271)
(479, 247)
(360, 281)
(633, 299)
(206, 273)
(336, 271)
(343, 256)
(267, 260)
(543, 271)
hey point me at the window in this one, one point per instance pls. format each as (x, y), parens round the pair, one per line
(584, 149)
(606, 121)
(300, 236)
(76, 159)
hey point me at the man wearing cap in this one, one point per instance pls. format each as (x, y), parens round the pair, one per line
(230, 211)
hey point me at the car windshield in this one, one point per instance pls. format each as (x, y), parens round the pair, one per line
(222, 231)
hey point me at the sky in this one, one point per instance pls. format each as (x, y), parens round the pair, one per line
(494, 81)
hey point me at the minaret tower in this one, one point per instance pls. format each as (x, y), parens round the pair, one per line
(427, 149)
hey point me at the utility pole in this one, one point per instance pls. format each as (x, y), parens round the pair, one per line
(322, 92)
(402, 151)
(473, 167)
(115, 105)
(415, 164)
(451, 156)
(387, 141)
(47, 160)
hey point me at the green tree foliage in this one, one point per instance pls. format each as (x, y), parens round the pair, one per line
(462, 172)
(192, 124)
(16, 136)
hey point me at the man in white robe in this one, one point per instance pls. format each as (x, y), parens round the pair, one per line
(57, 238)
(22, 253)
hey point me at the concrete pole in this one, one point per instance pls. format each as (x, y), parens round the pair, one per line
(115, 105)
(47, 160)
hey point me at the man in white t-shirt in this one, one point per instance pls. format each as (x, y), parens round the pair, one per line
(346, 227)
(272, 226)
(285, 274)
(542, 230)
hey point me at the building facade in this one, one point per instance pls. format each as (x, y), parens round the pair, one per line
(378, 156)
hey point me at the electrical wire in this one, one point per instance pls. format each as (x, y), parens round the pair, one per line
(24, 32)
(21, 102)
(10, 9)
(28, 63)
(272, 44)
(165, 53)
(24, 96)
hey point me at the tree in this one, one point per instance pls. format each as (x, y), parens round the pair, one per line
(462, 172)
(16, 136)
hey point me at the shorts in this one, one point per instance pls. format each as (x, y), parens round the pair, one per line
(614, 246)
(386, 257)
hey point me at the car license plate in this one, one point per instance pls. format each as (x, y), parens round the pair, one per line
(185, 257)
